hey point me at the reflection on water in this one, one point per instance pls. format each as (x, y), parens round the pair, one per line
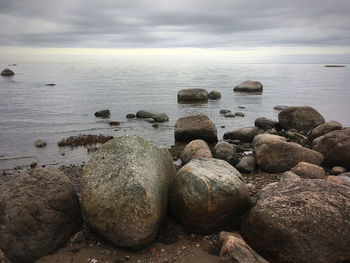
(31, 110)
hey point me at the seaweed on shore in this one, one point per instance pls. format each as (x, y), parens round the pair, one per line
(84, 140)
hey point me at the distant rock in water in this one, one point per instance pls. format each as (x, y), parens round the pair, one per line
(224, 111)
(192, 95)
(130, 116)
(40, 143)
(240, 114)
(103, 113)
(7, 72)
(214, 95)
(157, 117)
(335, 66)
(114, 123)
(249, 86)
(50, 84)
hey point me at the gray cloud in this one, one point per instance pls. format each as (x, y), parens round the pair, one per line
(169, 23)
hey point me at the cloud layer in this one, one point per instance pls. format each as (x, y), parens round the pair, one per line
(168, 23)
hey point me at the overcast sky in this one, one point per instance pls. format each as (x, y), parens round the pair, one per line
(218, 24)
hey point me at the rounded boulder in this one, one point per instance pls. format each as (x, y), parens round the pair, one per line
(39, 211)
(124, 190)
(207, 193)
(194, 150)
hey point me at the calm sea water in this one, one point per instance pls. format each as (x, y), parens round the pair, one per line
(30, 110)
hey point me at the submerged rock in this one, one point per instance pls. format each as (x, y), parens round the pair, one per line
(301, 118)
(40, 143)
(192, 95)
(130, 116)
(207, 193)
(195, 127)
(39, 211)
(103, 113)
(249, 86)
(7, 72)
(124, 190)
(144, 114)
(214, 95)
(302, 221)
(224, 111)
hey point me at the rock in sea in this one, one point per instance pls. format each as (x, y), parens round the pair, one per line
(214, 95)
(192, 95)
(103, 113)
(7, 72)
(195, 127)
(207, 193)
(40, 143)
(124, 191)
(249, 86)
(39, 211)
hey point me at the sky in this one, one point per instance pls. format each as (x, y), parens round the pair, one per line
(260, 29)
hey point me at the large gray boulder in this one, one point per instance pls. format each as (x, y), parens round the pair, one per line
(249, 86)
(7, 72)
(274, 155)
(325, 128)
(207, 193)
(192, 95)
(300, 118)
(225, 151)
(246, 134)
(39, 211)
(302, 221)
(194, 150)
(124, 190)
(195, 127)
(335, 146)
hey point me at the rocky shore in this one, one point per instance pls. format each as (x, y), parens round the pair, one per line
(278, 191)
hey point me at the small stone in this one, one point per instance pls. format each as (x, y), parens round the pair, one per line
(224, 111)
(114, 123)
(33, 164)
(130, 116)
(40, 143)
(155, 126)
(103, 113)
(338, 170)
(229, 115)
(241, 114)
(241, 107)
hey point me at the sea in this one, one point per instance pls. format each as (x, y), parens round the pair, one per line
(31, 110)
